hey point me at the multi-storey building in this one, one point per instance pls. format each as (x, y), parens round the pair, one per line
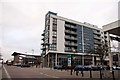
(113, 28)
(62, 37)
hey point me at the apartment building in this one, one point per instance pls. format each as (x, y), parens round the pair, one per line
(63, 37)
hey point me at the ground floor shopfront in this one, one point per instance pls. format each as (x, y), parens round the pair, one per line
(53, 59)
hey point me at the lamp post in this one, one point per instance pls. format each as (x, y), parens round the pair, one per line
(73, 50)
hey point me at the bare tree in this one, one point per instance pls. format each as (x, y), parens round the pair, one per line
(101, 51)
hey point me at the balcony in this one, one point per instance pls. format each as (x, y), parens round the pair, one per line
(70, 26)
(70, 44)
(74, 44)
(42, 43)
(97, 42)
(43, 39)
(67, 37)
(43, 34)
(43, 48)
(70, 38)
(96, 37)
(70, 32)
(95, 32)
(67, 25)
(67, 50)
(73, 27)
(67, 31)
(73, 38)
(74, 33)
(43, 52)
(55, 22)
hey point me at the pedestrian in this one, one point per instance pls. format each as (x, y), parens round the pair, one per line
(108, 67)
(82, 73)
(36, 63)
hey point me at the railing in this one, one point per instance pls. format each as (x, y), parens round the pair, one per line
(97, 42)
(95, 32)
(97, 37)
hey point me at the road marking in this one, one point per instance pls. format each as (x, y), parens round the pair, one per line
(49, 75)
(8, 76)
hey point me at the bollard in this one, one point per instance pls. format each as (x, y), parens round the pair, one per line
(71, 72)
(77, 73)
(90, 74)
(113, 76)
(82, 73)
(100, 74)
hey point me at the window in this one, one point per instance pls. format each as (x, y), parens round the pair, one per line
(53, 47)
(54, 21)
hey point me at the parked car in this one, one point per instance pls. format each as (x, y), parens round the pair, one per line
(79, 68)
(116, 67)
(96, 68)
(88, 67)
(25, 65)
(18, 65)
(9, 64)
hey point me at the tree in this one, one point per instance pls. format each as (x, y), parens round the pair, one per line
(101, 51)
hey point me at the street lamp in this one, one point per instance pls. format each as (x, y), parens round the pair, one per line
(73, 50)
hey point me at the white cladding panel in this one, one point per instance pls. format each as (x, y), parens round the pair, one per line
(50, 32)
(60, 35)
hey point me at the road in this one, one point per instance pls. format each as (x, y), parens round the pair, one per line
(32, 73)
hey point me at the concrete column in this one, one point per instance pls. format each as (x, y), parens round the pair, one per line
(93, 60)
(56, 56)
(82, 59)
(83, 46)
(48, 61)
(16, 59)
(119, 54)
(110, 60)
(110, 54)
(82, 39)
(42, 61)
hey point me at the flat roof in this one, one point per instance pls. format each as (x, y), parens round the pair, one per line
(27, 54)
(113, 28)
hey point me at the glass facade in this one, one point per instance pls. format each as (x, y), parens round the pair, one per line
(84, 38)
(88, 38)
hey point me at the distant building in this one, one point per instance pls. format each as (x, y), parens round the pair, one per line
(62, 37)
(22, 58)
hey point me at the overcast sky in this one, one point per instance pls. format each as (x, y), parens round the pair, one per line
(22, 21)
